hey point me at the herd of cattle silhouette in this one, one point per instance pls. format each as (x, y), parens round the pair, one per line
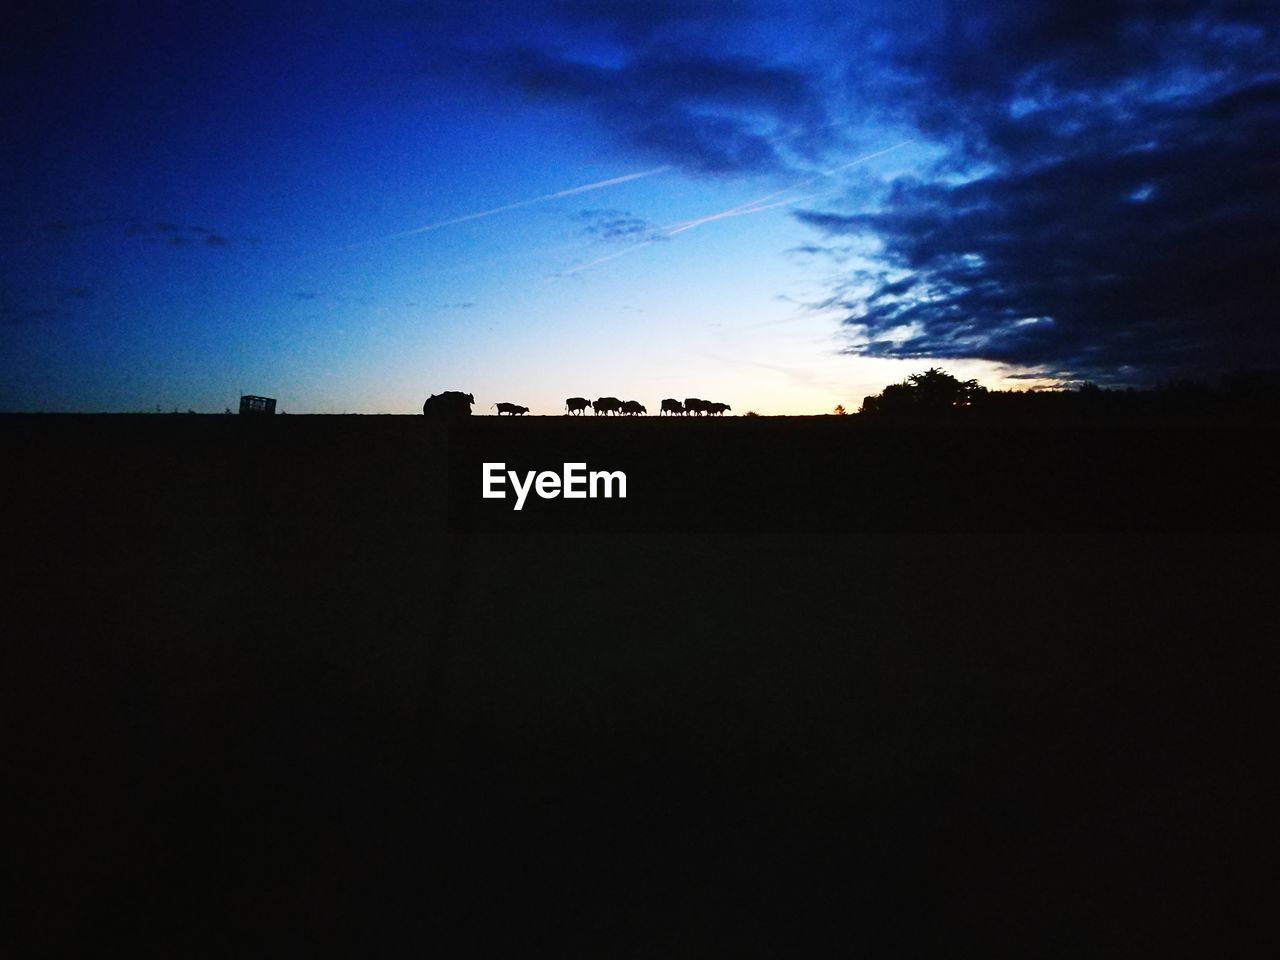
(453, 403)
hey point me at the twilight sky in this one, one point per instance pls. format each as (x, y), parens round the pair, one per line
(780, 205)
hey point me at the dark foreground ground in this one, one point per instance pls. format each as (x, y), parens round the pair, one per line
(815, 689)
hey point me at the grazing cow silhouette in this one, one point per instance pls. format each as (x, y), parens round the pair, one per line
(674, 407)
(695, 406)
(514, 409)
(633, 407)
(451, 403)
(576, 405)
(717, 409)
(607, 405)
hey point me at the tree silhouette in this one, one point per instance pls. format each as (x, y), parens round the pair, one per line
(934, 391)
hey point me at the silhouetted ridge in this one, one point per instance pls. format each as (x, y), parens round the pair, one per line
(937, 394)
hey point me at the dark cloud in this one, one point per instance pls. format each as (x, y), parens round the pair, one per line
(152, 231)
(40, 303)
(628, 24)
(177, 235)
(17, 316)
(1001, 77)
(1110, 201)
(683, 82)
(705, 112)
(636, 22)
(619, 226)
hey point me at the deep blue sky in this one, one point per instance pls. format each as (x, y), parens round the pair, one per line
(822, 198)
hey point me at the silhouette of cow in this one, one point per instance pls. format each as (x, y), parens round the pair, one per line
(607, 405)
(576, 405)
(451, 403)
(717, 409)
(514, 409)
(674, 407)
(695, 406)
(634, 407)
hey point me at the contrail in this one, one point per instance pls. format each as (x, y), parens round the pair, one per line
(742, 211)
(572, 191)
(605, 259)
(752, 206)
(758, 205)
(672, 230)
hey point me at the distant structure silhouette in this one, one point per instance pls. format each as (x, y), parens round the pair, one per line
(451, 403)
(257, 406)
(634, 408)
(607, 405)
(673, 407)
(576, 405)
(511, 409)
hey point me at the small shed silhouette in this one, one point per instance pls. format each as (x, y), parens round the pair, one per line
(258, 405)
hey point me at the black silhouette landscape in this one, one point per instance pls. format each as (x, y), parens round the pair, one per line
(977, 667)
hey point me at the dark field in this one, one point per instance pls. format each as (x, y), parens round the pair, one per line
(816, 688)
